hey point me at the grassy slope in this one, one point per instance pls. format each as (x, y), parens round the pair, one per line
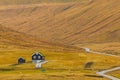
(111, 48)
(115, 73)
(58, 26)
(71, 67)
(10, 39)
(60, 66)
(13, 2)
(35, 20)
(96, 21)
(13, 39)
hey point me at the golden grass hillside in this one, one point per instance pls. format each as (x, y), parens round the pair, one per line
(14, 2)
(66, 23)
(115, 74)
(11, 40)
(61, 66)
(57, 29)
(109, 47)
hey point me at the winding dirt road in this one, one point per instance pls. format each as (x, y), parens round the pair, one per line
(103, 73)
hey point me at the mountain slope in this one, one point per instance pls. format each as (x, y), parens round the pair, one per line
(14, 2)
(94, 21)
(10, 39)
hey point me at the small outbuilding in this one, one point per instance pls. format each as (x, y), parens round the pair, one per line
(21, 60)
(88, 65)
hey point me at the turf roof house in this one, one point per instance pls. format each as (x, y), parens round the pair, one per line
(37, 57)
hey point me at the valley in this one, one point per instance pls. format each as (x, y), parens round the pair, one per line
(59, 29)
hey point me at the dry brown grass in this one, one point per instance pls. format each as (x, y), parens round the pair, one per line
(111, 48)
(61, 65)
(69, 24)
(74, 23)
(115, 73)
(14, 2)
(11, 39)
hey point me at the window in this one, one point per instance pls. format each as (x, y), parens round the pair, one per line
(39, 57)
(34, 57)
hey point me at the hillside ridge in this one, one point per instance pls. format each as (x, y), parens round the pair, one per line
(69, 24)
